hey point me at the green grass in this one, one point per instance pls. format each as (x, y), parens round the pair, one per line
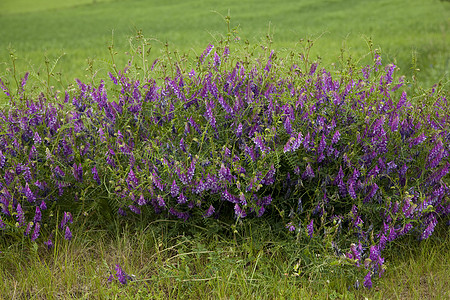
(84, 29)
(169, 260)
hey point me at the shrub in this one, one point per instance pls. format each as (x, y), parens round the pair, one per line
(348, 158)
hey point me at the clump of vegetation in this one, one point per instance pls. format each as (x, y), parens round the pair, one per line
(347, 160)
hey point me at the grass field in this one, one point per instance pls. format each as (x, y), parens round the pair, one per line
(167, 259)
(84, 29)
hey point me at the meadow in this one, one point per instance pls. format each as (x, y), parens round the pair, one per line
(205, 248)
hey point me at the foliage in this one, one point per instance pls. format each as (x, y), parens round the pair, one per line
(348, 161)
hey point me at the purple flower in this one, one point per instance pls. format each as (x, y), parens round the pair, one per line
(290, 226)
(121, 275)
(216, 60)
(49, 244)
(336, 137)
(174, 189)
(35, 234)
(374, 253)
(368, 281)
(240, 213)
(287, 126)
(43, 206)
(28, 193)
(68, 234)
(66, 218)
(134, 209)
(141, 200)
(309, 173)
(20, 215)
(310, 228)
(432, 222)
(37, 215)
(2, 159)
(132, 181)
(78, 172)
(36, 138)
(95, 175)
(58, 172)
(209, 212)
(181, 198)
(205, 53)
(28, 229)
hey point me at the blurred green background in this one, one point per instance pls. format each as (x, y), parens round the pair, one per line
(83, 29)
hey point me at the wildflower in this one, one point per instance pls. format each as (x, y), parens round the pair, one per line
(134, 209)
(205, 53)
(209, 212)
(240, 213)
(432, 222)
(161, 202)
(121, 275)
(2, 159)
(43, 206)
(95, 175)
(28, 193)
(141, 200)
(78, 172)
(67, 218)
(368, 281)
(28, 229)
(336, 137)
(58, 172)
(287, 126)
(20, 215)
(68, 234)
(35, 234)
(290, 226)
(49, 244)
(309, 173)
(374, 253)
(310, 228)
(37, 215)
(216, 60)
(36, 138)
(132, 181)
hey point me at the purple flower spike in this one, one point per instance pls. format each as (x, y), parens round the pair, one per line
(37, 215)
(430, 228)
(95, 175)
(132, 180)
(290, 226)
(121, 275)
(209, 212)
(310, 228)
(309, 173)
(68, 234)
(20, 215)
(336, 137)
(134, 209)
(49, 244)
(368, 281)
(35, 234)
(66, 218)
(28, 193)
(240, 213)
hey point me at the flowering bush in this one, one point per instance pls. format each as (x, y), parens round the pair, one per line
(351, 157)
